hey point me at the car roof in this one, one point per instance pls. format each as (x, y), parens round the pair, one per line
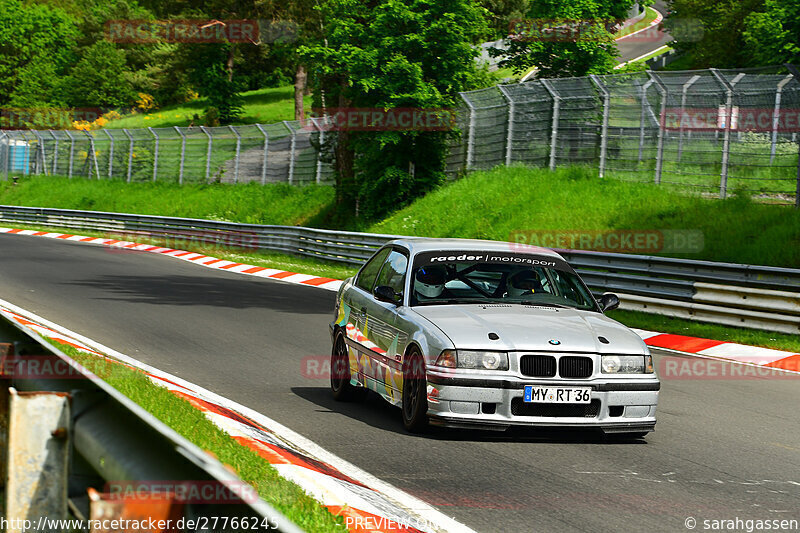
(424, 244)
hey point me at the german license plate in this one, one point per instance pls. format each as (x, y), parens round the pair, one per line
(538, 394)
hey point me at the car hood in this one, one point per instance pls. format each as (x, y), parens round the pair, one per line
(521, 327)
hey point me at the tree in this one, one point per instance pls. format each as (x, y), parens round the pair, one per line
(35, 40)
(773, 36)
(390, 54)
(711, 32)
(100, 78)
(590, 50)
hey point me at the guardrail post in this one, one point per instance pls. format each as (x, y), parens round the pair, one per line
(554, 126)
(471, 135)
(643, 118)
(684, 91)
(510, 127)
(38, 450)
(266, 153)
(6, 352)
(291, 150)
(71, 152)
(183, 154)
(130, 153)
(726, 139)
(94, 156)
(110, 154)
(776, 115)
(236, 159)
(208, 152)
(662, 89)
(155, 154)
(604, 132)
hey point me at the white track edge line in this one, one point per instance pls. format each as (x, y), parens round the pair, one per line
(431, 515)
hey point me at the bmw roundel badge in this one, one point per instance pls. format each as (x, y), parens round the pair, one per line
(554, 342)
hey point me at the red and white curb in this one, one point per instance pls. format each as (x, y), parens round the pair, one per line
(192, 257)
(742, 353)
(365, 502)
(728, 351)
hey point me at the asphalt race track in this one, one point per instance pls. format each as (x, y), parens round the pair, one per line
(645, 42)
(723, 448)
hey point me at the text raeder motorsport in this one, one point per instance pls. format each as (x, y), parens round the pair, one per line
(489, 258)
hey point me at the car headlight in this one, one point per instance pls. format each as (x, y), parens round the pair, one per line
(626, 364)
(473, 359)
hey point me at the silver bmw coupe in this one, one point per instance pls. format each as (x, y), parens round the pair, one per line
(487, 334)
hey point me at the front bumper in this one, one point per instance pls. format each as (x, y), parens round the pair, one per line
(618, 405)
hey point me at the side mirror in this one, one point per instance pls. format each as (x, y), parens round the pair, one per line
(384, 293)
(609, 301)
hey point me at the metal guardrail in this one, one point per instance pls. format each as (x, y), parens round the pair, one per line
(677, 283)
(97, 435)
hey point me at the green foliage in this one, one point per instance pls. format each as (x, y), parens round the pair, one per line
(592, 52)
(101, 76)
(390, 54)
(215, 82)
(773, 36)
(36, 46)
(712, 32)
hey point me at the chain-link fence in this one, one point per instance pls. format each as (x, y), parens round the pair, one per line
(282, 152)
(716, 130)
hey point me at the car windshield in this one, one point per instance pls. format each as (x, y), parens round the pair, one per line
(443, 278)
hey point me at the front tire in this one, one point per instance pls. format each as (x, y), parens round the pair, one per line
(415, 394)
(341, 388)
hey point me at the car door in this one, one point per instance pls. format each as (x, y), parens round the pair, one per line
(386, 340)
(354, 302)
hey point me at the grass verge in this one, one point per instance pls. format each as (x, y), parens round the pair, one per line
(262, 106)
(503, 202)
(277, 203)
(679, 326)
(181, 416)
(650, 15)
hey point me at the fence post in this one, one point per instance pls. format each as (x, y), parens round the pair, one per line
(554, 126)
(55, 150)
(796, 73)
(183, 154)
(208, 151)
(155, 154)
(684, 91)
(318, 172)
(110, 154)
(471, 134)
(238, 149)
(266, 152)
(776, 115)
(510, 128)
(130, 153)
(604, 131)
(660, 150)
(643, 118)
(40, 149)
(2, 168)
(94, 156)
(291, 150)
(726, 139)
(71, 152)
